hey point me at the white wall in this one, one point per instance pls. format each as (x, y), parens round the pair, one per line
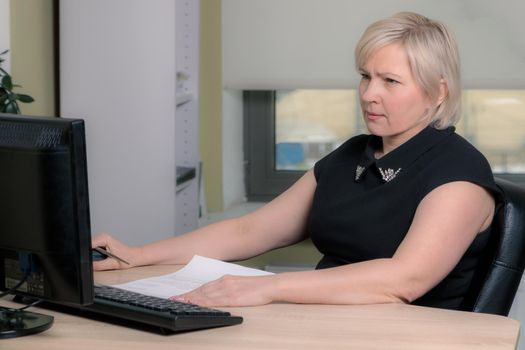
(309, 43)
(118, 72)
(5, 32)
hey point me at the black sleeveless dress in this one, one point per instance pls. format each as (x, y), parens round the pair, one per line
(363, 207)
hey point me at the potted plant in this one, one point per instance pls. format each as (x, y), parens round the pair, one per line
(8, 98)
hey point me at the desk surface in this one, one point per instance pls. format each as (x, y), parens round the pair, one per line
(285, 326)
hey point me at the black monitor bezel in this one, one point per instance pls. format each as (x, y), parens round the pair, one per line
(76, 142)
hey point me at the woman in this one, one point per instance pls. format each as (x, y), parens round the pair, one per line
(401, 215)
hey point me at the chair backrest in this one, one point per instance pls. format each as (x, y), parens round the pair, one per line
(507, 262)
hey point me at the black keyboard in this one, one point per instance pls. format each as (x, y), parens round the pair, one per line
(171, 316)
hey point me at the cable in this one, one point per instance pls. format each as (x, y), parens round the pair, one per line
(36, 302)
(9, 291)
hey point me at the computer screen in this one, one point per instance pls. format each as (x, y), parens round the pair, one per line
(45, 236)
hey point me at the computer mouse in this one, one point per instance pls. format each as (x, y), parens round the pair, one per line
(97, 256)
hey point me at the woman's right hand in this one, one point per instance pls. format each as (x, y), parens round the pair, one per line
(112, 245)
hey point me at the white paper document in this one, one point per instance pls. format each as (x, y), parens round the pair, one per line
(197, 272)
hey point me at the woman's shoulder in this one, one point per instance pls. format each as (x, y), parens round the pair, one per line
(456, 159)
(353, 146)
(348, 151)
(458, 153)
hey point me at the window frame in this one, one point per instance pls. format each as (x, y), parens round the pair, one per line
(262, 181)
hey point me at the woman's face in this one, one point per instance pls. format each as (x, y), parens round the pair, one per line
(394, 106)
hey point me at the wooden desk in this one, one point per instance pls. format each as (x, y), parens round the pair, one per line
(286, 326)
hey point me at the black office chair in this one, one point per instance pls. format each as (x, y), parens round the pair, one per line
(506, 261)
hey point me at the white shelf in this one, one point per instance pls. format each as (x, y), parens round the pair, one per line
(187, 115)
(183, 98)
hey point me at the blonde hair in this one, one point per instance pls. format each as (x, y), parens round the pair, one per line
(433, 56)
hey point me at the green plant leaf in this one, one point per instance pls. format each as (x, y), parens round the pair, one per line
(24, 98)
(7, 83)
(8, 99)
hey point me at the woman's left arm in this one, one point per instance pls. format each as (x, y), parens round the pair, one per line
(445, 224)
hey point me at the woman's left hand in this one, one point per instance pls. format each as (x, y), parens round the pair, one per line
(232, 291)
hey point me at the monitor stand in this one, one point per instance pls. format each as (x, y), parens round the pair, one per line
(17, 323)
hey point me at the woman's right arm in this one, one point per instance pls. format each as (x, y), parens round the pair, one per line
(279, 223)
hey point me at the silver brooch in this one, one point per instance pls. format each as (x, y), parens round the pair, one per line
(389, 174)
(358, 172)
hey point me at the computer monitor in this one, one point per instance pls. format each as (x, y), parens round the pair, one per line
(45, 236)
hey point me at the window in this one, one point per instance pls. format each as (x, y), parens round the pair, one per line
(287, 131)
(311, 123)
(494, 121)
